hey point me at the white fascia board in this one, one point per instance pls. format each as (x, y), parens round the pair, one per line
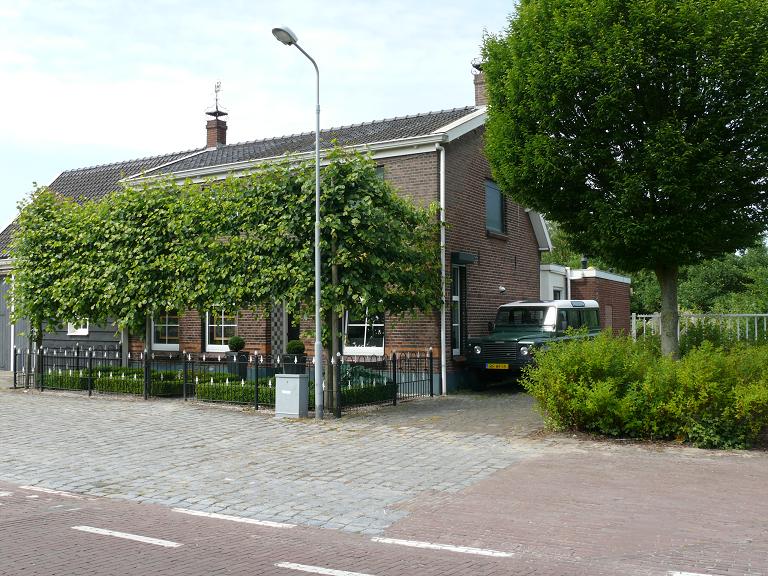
(458, 128)
(553, 268)
(540, 231)
(386, 149)
(6, 265)
(139, 175)
(578, 274)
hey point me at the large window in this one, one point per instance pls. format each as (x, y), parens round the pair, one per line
(494, 208)
(364, 335)
(165, 331)
(222, 325)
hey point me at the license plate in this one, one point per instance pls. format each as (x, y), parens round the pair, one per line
(497, 366)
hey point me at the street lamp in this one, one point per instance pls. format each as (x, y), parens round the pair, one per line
(287, 37)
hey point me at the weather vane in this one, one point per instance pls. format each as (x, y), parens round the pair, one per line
(216, 113)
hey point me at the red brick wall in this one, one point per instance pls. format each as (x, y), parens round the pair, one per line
(510, 260)
(416, 177)
(253, 327)
(613, 298)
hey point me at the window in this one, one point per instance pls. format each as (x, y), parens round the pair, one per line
(380, 172)
(458, 309)
(577, 318)
(165, 331)
(364, 335)
(79, 328)
(494, 208)
(222, 325)
(557, 294)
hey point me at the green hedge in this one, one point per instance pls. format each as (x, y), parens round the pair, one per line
(713, 397)
(119, 380)
(359, 385)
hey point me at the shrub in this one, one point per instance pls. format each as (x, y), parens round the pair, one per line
(294, 347)
(713, 397)
(236, 343)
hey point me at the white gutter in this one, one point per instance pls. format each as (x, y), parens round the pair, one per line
(443, 349)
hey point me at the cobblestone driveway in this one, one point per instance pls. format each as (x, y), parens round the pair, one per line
(356, 474)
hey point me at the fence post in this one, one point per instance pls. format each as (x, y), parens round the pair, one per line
(394, 377)
(337, 386)
(256, 365)
(38, 367)
(184, 383)
(15, 364)
(147, 374)
(90, 371)
(634, 326)
(431, 368)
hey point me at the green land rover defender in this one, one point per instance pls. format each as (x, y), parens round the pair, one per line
(519, 328)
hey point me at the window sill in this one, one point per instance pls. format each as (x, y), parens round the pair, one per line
(496, 235)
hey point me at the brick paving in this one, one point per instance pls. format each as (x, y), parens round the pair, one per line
(471, 470)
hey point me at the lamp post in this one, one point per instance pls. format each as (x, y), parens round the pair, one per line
(287, 37)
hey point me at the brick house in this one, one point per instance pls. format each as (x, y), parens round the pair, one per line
(492, 245)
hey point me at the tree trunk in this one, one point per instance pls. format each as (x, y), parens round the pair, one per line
(670, 342)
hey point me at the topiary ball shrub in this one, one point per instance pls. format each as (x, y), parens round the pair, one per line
(236, 343)
(295, 347)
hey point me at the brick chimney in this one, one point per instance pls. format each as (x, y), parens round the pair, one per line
(216, 130)
(481, 97)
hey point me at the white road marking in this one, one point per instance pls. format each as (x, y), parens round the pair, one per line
(3, 493)
(686, 574)
(49, 491)
(318, 569)
(446, 547)
(32, 496)
(267, 523)
(127, 536)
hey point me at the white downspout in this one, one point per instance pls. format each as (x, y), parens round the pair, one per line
(13, 333)
(567, 282)
(443, 350)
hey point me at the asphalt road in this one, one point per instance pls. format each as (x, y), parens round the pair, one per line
(458, 485)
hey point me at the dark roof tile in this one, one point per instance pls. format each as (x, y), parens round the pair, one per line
(95, 182)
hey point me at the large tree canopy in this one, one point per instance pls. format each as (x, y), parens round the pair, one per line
(640, 126)
(235, 243)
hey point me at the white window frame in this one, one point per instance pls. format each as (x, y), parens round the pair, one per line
(456, 299)
(161, 346)
(78, 328)
(217, 347)
(363, 350)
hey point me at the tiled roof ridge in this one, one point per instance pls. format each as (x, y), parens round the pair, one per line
(271, 139)
(131, 161)
(345, 126)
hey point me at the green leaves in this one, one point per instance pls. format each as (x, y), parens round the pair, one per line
(640, 127)
(237, 243)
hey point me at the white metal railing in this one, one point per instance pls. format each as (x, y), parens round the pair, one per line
(740, 326)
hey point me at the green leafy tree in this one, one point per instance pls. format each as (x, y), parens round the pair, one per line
(51, 251)
(239, 242)
(640, 126)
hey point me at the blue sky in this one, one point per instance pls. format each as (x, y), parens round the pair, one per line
(86, 82)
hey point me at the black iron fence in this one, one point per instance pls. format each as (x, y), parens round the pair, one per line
(234, 378)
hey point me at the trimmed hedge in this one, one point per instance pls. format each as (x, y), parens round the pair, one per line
(119, 380)
(359, 385)
(712, 397)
